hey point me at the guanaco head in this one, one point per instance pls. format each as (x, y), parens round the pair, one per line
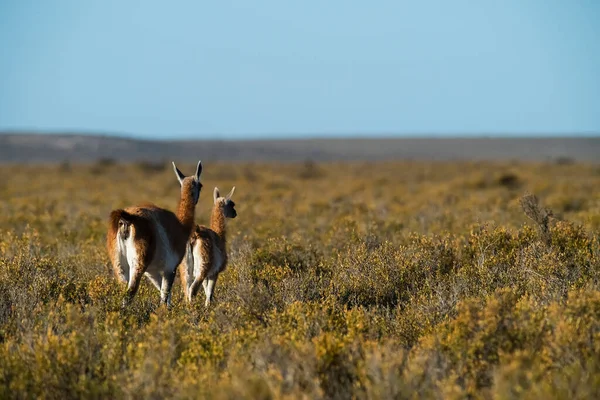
(226, 204)
(190, 185)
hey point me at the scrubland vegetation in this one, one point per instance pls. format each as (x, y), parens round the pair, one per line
(384, 280)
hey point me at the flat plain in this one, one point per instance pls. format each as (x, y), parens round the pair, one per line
(26, 147)
(400, 279)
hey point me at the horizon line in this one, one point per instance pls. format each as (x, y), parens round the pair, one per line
(253, 137)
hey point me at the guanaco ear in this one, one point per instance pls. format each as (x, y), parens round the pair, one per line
(230, 194)
(180, 176)
(216, 194)
(198, 171)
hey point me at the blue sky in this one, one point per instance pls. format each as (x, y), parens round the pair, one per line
(241, 69)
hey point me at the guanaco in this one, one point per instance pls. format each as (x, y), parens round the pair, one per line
(149, 240)
(206, 255)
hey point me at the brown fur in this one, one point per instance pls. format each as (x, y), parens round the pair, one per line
(143, 224)
(209, 238)
(187, 207)
(217, 220)
(125, 223)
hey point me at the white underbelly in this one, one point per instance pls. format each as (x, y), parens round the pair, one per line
(200, 262)
(130, 252)
(217, 261)
(165, 260)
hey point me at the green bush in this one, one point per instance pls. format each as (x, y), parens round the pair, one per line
(387, 280)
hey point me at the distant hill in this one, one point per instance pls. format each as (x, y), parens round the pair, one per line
(51, 148)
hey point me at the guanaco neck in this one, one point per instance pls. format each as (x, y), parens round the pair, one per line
(185, 211)
(217, 221)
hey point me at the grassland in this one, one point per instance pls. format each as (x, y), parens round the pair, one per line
(372, 280)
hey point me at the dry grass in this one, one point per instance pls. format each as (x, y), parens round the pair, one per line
(385, 280)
